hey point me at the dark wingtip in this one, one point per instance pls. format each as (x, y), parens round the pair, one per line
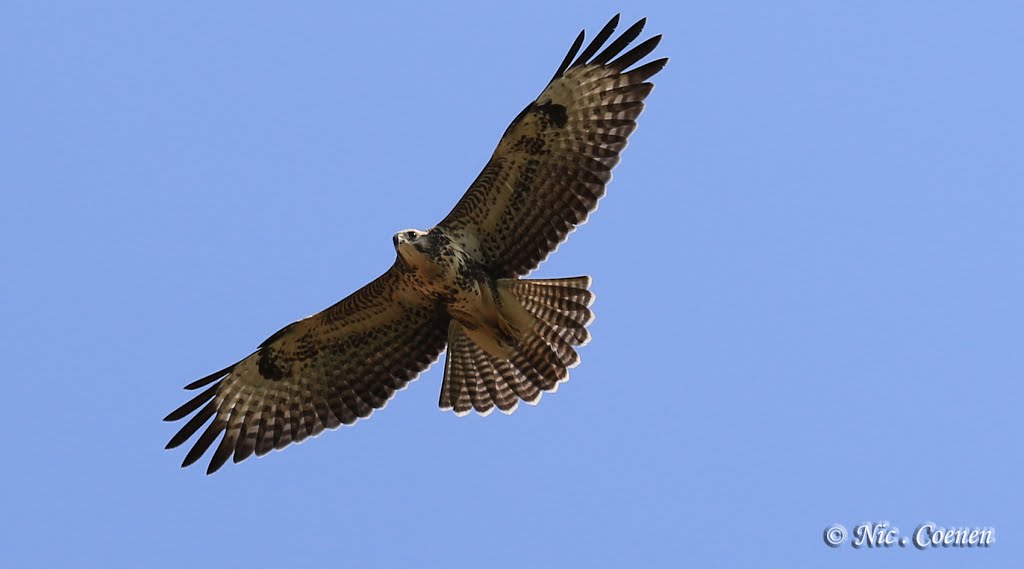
(192, 404)
(647, 70)
(223, 452)
(620, 43)
(614, 22)
(193, 425)
(203, 444)
(636, 53)
(213, 467)
(571, 54)
(210, 378)
(596, 43)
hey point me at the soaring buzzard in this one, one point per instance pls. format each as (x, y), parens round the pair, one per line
(458, 284)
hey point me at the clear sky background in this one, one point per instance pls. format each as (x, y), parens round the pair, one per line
(808, 271)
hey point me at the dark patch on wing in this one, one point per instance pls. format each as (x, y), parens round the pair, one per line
(269, 366)
(555, 113)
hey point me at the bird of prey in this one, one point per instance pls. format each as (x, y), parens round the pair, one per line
(458, 285)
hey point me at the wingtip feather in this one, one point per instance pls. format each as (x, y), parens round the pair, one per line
(210, 378)
(636, 54)
(568, 56)
(192, 425)
(203, 444)
(620, 43)
(191, 405)
(598, 41)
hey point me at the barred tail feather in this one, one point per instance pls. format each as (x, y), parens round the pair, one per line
(459, 376)
(497, 386)
(563, 305)
(551, 317)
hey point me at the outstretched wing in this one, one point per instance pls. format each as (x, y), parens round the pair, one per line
(329, 369)
(555, 159)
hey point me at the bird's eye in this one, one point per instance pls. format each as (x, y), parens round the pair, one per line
(409, 235)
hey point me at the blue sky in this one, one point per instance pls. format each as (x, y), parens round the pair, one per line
(808, 274)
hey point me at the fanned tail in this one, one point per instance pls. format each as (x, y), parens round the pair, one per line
(551, 317)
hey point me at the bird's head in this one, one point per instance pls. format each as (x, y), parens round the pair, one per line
(410, 244)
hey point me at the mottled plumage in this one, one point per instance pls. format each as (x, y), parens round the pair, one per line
(508, 338)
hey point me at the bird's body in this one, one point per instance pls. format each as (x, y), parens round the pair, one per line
(438, 266)
(447, 270)
(458, 285)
